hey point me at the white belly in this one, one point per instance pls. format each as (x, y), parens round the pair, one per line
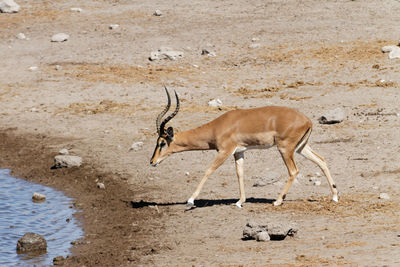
(241, 149)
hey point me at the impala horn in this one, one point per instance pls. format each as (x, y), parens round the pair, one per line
(163, 112)
(162, 126)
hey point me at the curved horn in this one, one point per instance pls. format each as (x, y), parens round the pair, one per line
(163, 112)
(172, 115)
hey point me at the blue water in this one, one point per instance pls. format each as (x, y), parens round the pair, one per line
(53, 219)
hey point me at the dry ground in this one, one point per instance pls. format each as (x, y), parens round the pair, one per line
(105, 95)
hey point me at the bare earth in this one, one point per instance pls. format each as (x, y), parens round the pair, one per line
(105, 94)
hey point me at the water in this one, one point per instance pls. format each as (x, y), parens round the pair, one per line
(18, 215)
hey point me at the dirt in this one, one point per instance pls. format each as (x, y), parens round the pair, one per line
(98, 93)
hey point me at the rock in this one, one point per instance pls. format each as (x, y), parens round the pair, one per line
(66, 161)
(136, 146)
(37, 197)
(269, 230)
(393, 50)
(187, 173)
(165, 53)
(157, 13)
(333, 116)
(76, 9)
(215, 103)
(208, 53)
(317, 182)
(255, 39)
(255, 45)
(60, 37)
(33, 68)
(9, 6)
(101, 186)
(263, 236)
(21, 36)
(31, 242)
(384, 196)
(57, 67)
(113, 26)
(59, 260)
(63, 151)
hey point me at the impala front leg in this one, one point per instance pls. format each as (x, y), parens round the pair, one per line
(221, 157)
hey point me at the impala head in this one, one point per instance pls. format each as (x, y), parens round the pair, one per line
(165, 136)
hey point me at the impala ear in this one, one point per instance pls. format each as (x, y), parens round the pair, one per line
(170, 132)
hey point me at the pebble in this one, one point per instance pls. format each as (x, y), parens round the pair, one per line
(38, 197)
(33, 68)
(136, 146)
(165, 53)
(101, 186)
(263, 236)
(393, 50)
(157, 13)
(67, 161)
(76, 9)
(9, 6)
(384, 196)
(59, 260)
(57, 67)
(187, 173)
(21, 36)
(63, 151)
(113, 26)
(215, 103)
(254, 45)
(208, 53)
(60, 37)
(317, 183)
(332, 116)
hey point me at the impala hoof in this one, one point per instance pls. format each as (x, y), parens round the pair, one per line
(277, 203)
(190, 203)
(239, 205)
(335, 199)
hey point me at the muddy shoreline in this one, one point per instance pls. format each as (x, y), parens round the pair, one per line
(106, 215)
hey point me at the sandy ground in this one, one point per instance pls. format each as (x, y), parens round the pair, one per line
(97, 93)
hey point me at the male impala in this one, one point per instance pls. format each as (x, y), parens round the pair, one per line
(237, 131)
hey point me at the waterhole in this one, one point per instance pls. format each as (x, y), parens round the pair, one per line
(19, 214)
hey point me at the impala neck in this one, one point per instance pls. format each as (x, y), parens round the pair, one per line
(201, 138)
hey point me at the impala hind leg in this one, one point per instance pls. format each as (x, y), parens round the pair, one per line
(287, 156)
(320, 161)
(239, 158)
(221, 157)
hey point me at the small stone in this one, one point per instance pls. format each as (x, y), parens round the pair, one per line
(333, 116)
(255, 45)
(66, 161)
(31, 242)
(263, 236)
(113, 26)
(63, 151)
(157, 13)
(59, 260)
(187, 173)
(395, 53)
(37, 197)
(165, 53)
(101, 186)
(76, 9)
(21, 36)
(57, 67)
(215, 103)
(9, 6)
(388, 48)
(34, 110)
(136, 146)
(60, 37)
(206, 52)
(384, 196)
(255, 39)
(33, 68)
(317, 183)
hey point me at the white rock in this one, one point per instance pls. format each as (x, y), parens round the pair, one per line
(332, 116)
(215, 103)
(63, 151)
(395, 53)
(157, 13)
(113, 26)
(263, 236)
(9, 6)
(57, 67)
(388, 48)
(60, 37)
(34, 110)
(136, 146)
(76, 9)
(255, 39)
(21, 36)
(317, 183)
(384, 196)
(67, 161)
(208, 53)
(101, 186)
(187, 173)
(165, 53)
(255, 45)
(33, 68)
(38, 197)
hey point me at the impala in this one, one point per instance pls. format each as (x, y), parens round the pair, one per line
(237, 131)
